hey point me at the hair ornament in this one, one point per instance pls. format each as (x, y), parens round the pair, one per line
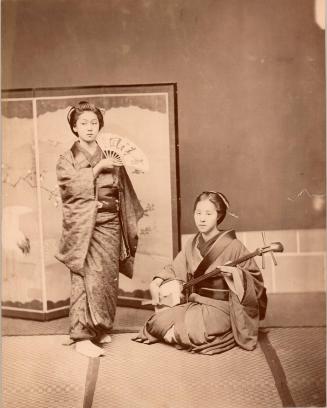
(69, 114)
(226, 202)
(232, 214)
(224, 199)
(221, 195)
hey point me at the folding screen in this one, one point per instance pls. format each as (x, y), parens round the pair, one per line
(35, 133)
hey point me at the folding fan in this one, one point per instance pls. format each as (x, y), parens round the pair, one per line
(122, 151)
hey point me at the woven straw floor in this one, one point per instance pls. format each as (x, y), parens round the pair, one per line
(38, 371)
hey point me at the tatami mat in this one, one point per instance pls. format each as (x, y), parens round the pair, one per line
(127, 319)
(158, 376)
(39, 372)
(302, 353)
(283, 311)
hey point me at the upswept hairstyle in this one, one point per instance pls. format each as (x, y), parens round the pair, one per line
(81, 107)
(218, 200)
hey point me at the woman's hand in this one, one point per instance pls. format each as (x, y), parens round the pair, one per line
(106, 164)
(154, 290)
(103, 165)
(227, 270)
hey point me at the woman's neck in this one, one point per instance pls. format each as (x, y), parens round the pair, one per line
(90, 147)
(210, 234)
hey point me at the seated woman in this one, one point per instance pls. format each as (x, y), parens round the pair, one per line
(223, 311)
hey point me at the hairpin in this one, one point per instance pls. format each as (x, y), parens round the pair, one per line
(221, 195)
(225, 201)
(70, 113)
(232, 214)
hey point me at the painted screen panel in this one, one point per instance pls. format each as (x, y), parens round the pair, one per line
(144, 117)
(21, 260)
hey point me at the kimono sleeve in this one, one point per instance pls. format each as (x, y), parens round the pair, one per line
(74, 183)
(79, 210)
(253, 272)
(254, 303)
(245, 313)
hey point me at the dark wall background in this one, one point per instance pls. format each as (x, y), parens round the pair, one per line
(251, 88)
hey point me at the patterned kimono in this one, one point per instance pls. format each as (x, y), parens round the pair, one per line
(99, 238)
(208, 323)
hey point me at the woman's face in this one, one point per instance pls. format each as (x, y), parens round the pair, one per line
(87, 126)
(205, 217)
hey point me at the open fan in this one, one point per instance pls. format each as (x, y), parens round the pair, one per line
(122, 151)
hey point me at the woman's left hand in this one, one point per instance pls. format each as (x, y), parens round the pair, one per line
(227, 270)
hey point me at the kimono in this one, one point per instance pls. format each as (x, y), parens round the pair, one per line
(210, 324)
(99, 238)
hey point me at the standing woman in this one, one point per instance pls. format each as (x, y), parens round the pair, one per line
(99, 233)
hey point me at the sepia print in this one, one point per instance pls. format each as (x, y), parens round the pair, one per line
(163, 203)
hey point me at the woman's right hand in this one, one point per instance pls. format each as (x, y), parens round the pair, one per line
(103, 165)
(154, 290)
(107, 163)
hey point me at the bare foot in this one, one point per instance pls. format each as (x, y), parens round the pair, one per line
(88, 349)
